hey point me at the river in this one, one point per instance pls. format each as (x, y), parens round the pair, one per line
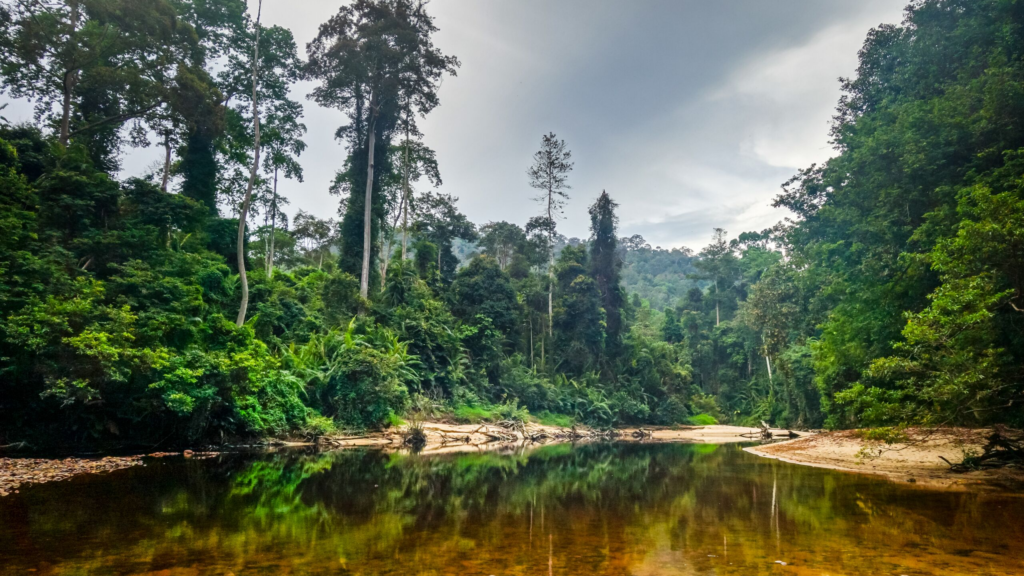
(593, 509)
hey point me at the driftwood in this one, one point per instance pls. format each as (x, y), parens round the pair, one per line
(640, 434)
(765, 433)
(1002, 449)
(514, 425)
(343, 440)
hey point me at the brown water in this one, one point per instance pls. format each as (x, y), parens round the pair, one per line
(560, 510)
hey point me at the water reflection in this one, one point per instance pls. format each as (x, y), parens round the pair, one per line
(593, 509)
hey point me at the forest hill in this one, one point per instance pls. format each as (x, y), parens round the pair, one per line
(891, 297)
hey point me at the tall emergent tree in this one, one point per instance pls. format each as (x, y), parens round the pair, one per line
(417, 161)
(252, 174)
(550, 174)
(374, 59)
(605, 265)
(280, 128)
(717, 263)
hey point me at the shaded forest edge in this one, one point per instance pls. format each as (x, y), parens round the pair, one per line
(893, 297)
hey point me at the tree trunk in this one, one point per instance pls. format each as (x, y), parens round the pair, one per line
(70, 80)
(252, 173)
(364, 279)
(386, 248)
(167, 162)
(405, 198)
(769, 363)
(273, 229)
(718, 319)
(551, 266)
(532, 365)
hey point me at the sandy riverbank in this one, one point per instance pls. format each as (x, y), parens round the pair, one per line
(917, 461)
(443, 437)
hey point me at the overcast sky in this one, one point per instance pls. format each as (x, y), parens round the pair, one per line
(690, 113)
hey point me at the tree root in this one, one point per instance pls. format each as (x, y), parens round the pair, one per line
(1003, 449)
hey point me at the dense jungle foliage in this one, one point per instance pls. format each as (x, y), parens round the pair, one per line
(893, 296)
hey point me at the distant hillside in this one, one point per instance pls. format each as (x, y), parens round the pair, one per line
(657, 275)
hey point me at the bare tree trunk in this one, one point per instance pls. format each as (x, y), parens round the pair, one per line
(273, 230)
(385, 250)
(718, 319)
(405, 199)
(532, 366)
(769, 363)
(364, 279)
(167, 162)
(551, 266)
(252, 173)
(70, 80)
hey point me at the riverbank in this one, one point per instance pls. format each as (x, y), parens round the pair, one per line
(916, 461)
(441, 438)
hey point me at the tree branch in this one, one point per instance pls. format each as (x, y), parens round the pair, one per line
(119, 117)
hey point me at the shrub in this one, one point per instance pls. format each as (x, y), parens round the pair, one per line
(703, 420)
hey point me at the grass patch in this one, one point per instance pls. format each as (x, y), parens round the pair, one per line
(551, 419)
(702, 420)
(394, 420)
(472, 415)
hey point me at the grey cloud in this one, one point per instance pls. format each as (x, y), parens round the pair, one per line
(689, 112)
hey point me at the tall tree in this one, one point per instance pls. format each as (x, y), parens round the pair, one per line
(605, 265)
(221, 27)
(717, 263)
(550, 174)
(417, 161)
(374, 58)
(243, 214)
(281, 130)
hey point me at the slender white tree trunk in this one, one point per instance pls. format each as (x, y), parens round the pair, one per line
(551, 265)
(405, 199)
(364, 279)
(273, 228)
(532, 366)
(244, 214)
(768, 361)
(718, 318)
(167, 162)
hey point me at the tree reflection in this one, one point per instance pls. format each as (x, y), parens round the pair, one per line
(587, 509)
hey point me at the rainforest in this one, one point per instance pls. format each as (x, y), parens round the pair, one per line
(187, 305)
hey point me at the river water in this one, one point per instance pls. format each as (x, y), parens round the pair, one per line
(621, 508)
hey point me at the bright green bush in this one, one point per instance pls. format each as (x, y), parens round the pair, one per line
(702, 420)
